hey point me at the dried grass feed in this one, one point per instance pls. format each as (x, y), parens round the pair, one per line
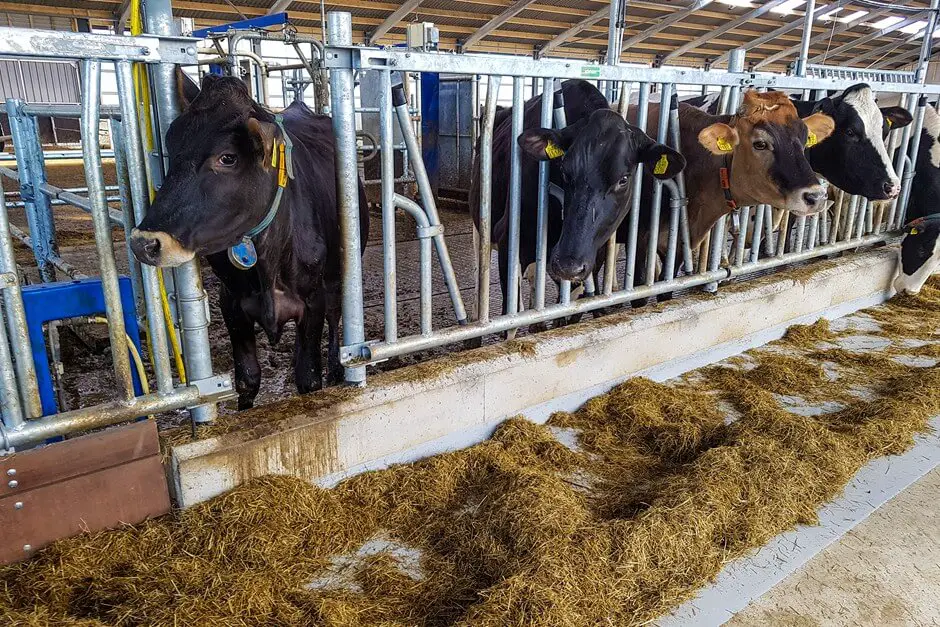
(612, 514)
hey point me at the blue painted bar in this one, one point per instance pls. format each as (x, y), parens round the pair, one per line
(256, 22)
(430, 126)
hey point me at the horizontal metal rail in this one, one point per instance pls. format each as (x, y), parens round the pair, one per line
(53, 44)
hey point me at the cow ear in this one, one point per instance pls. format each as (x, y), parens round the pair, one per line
(662, 161)
(186, 88)
(543, 144)
(718, 139)
(825, 105)
(897, 117)
(819, 126)
(263, 134)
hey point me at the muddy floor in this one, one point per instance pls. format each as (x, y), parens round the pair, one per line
(87, 378)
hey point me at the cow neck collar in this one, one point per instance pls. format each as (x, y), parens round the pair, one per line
(724, 176)
(243, 255)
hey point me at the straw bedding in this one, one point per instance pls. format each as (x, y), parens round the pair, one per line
(654, 491)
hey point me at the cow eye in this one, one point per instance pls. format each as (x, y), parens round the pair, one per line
(228, 160)
(624, 180)
(761, 145)
(850, 132)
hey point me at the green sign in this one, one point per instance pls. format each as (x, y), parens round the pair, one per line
(591, 71)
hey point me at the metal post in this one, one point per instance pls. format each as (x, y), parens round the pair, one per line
(927, 43)
(347, 175)
(425, 233)
(32, 176)
(118, 143)
(900, 163)
(91, 84)
(653, 243)
(910, 164)
(140, 200)
(803, 59)
(386, 139)
(629, 278)
(614, 43)
(561, 121)
(192, 301)
(515, 198)
(541, 229)
(486, 196)
(25, 403)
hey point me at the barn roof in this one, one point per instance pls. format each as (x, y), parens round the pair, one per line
(858, 33)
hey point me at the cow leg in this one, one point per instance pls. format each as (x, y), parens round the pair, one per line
(334, 309)
(241, 332)
(308, 363)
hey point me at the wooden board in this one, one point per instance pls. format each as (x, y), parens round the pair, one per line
(86, 484)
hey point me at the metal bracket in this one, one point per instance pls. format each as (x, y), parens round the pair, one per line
(341, 58)
(8, 279)
(215, 389)
(350, 355)
(425, 232)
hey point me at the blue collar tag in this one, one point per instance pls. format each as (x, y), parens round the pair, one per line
(243, 254)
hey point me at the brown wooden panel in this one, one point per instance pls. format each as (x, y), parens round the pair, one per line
(126, 493)
(78, 456)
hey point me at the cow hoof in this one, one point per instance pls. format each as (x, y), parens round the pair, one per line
(245, 403)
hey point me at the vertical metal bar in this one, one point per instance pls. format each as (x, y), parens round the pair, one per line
(31, 171)
(814, 230)
(486, 197)
(541, 229)
(837, 218)
(515, 197)
(807, 34)
(900, 165)
(27, 403)
(927, 43)
(561, 121)
(10, 408)
(342, 97)
(676, 142)
(652, 247)
(91, 95)
(800, 234)
(783, 234)
(615, 30)
(386, 140)
(744, 217)
(629, 278)
(850, 220)
(191, 299)
(910, 168)
(140, 199)
(118, 143)
(760, 211)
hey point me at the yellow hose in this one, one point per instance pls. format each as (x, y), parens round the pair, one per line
(135, 354)
(142, 88)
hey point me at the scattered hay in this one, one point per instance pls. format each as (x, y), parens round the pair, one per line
(506, 532)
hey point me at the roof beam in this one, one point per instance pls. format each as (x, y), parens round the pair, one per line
(909, 57)
(869, 37)
(738, 21)
(121, 15)
(392, 20)
(279, 6)
(587, 22)
(878, 53)
(786, 28)
(824, 36)
(511, 11)
(666, 22)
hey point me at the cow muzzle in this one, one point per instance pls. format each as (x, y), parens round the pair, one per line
(808, 201)
(891, 189)
(568, 268)
(157, 248)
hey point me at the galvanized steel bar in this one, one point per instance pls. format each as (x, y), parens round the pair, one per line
(744, 218)
(127, 211)
(140, 201)
(800, 234)
(387, 155)
(91, 94)
(662, 129)
(425, 237)
(642, 119)
(807, 34)
(541, 229)
(486, 197)
(900, 165)
(760, 212)
(342, 96)
(910, 169)
(512, 304)
(678, 189)
(561, 121)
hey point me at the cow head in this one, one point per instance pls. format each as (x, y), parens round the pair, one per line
(220, 181)
(855, 158)
(598, 156)
(765, 140)
(919, 256)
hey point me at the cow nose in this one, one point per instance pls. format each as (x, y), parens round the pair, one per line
(891, 189)
(568, 269)
(814, 198)
(146, 249)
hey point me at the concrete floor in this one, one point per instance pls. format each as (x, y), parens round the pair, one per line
(884, 572)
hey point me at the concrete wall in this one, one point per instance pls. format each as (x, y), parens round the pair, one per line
(457, 400)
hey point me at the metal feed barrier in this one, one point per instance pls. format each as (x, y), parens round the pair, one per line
(23, 423)
(852, 223)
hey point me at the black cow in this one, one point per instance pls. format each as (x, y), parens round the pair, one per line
(600, 154)
(221, 185)
(919, 255)
(925, 190)
(854, 158)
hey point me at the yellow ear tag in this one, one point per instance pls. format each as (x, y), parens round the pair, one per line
(662, 165)
(811, 140)
(552, 151)
(274, 156)
(724, 145)
(282, 170)
(914, 231)
(888, 120)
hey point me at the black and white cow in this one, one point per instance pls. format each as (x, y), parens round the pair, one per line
(919, 255)
(925, 190)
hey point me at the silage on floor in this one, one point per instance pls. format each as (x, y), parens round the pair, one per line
(659, 493)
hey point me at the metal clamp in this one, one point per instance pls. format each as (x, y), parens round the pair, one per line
(8, 279)
(214, 389)
(425, 232)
